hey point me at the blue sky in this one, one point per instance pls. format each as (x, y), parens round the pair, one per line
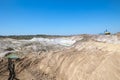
(59, 17)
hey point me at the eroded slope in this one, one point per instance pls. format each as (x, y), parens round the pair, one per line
(87, 59)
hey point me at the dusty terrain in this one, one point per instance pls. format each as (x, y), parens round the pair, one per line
(80, 57)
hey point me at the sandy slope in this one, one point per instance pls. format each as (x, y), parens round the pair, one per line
(87, 60)
(86, 64)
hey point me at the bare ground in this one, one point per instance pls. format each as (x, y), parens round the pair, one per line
(85, 60)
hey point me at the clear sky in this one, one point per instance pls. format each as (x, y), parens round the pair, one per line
(59, 17)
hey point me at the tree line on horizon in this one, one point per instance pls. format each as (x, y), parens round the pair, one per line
(30, 36)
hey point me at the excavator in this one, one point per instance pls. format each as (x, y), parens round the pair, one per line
(107, 32)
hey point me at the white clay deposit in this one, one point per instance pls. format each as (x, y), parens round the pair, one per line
(60, 41)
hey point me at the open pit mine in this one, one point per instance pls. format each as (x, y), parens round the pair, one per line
(78, 57)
